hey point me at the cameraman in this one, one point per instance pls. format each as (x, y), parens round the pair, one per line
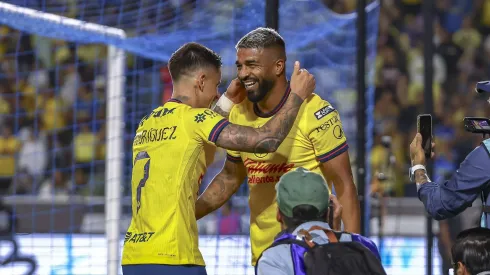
(472, 180)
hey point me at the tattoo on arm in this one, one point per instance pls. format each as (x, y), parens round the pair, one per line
(223, 186)
(421, 177)
(265, 139)
(220, 111)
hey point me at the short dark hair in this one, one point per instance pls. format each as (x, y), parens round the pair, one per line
(190, 57)
(261, 38)
(472, 248)
(303, 213)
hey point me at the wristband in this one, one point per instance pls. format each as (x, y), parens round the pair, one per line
(225, 103)
(415, 168)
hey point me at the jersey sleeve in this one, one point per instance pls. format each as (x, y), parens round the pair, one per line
(324, 130)
(206, 124)
(233, 156)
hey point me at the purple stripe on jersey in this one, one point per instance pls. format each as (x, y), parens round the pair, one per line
(334, 153)
(213, 136)
(233, 159)
(276, 109)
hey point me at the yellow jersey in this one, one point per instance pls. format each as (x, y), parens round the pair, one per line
(169, 161)
(317, 136)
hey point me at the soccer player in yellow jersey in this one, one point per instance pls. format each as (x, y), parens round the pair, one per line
(169, 161)
(316, 142)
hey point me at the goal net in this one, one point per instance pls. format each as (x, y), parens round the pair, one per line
(75, 79)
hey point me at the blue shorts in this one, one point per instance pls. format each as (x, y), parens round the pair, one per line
(160, 269)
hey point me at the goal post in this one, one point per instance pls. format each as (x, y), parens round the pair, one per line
(26, 19)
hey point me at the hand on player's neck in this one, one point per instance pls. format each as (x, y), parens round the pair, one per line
(274, 97)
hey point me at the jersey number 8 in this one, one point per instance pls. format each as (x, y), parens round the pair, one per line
(142, 156)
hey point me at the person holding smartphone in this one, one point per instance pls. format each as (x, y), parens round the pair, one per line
(471, 181)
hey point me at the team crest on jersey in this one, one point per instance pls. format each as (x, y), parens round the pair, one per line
(260, 155)
(200, 118)
(324, 111)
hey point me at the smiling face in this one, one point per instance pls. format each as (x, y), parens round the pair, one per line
(257, 70)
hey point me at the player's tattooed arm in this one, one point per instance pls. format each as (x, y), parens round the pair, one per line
(220, 111)
(267, 138)
(220, 190)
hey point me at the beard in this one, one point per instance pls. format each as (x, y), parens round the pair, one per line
(256, 94)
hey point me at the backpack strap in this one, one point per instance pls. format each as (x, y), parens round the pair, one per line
(333, 236)
(283, 241)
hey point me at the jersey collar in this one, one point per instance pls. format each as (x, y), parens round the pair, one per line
(174, 100)
(259, 113)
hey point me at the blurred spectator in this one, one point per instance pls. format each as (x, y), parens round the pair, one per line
(70, 84)
(84, 105)
(229, 220)
(9, 146)
(56, 185)
(54, 111)
(84, 145)
(468, 38)
(34, 155)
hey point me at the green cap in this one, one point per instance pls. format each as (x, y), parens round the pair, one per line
(299, 187)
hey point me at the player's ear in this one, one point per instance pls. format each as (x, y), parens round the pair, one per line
(200, 81)
(280, 66)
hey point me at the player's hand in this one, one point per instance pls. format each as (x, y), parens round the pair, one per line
(236, 91)
(417, 154)
(302, 82)
(337, 213)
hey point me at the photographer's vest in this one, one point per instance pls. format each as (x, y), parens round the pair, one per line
(485, 196)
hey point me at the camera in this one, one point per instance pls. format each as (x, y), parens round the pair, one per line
(477, 125)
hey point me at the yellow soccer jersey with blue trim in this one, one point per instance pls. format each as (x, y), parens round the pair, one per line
(316, 137)
(169, 162)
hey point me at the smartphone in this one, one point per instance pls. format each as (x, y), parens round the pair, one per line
(424, 127)
(479, 125)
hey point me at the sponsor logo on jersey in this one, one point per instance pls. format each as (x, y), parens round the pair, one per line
(328, 124)
(156, 114)
(323, 112)
(262, 172)
(338, 133)
(138, 237)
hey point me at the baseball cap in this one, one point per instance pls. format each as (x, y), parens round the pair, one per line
(299, 187)
(483, 87)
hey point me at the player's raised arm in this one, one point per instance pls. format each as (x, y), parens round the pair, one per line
(220, 190)
(267, 138)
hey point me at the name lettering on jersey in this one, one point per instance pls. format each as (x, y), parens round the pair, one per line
(201, 117)
(138, 237)
(156, 114)
(152, 135)
(262, 172)
(328, 124)
(323, 112)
